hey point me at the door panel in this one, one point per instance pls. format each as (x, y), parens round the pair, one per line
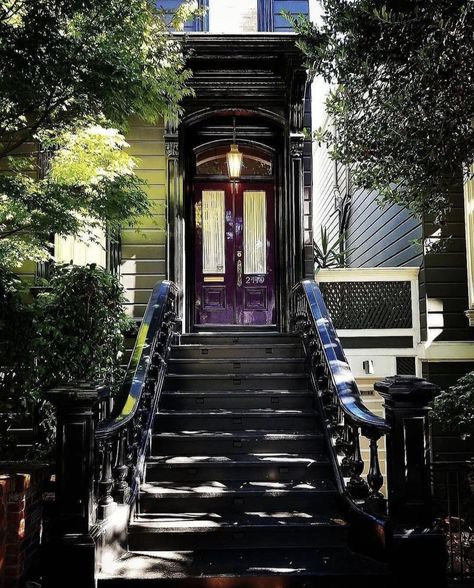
(234, 254)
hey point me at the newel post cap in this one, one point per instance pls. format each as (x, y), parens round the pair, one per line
(78, 392)
(407, 390)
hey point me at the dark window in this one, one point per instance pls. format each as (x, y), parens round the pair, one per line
(269, 14)
(294, 7)
(197, 24)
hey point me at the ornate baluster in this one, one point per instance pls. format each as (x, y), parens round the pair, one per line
(106, 501)
(346, 449)
(121, 489)
(374, 476)
(356, 485)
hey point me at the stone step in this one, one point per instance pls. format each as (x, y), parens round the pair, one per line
(231, 442)
(237, 365)
(249, 530)
(256, 467)
(239, 338)
(236, 381)
(334, 567)
(238, 399)
(237, 420)
(225, 497)
(251, 351)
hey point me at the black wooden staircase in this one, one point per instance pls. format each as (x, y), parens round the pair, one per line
(239, 483)
(234, 461)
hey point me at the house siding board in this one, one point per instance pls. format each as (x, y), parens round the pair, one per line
(379, 236)
(28, 150)
(443, 278)
(144, 245)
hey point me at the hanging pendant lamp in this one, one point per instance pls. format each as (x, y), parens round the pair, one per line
(234, 159)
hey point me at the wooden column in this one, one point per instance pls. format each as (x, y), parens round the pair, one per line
(175, 219)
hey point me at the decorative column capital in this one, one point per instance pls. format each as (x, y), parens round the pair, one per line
(171, 148)
(296, 145)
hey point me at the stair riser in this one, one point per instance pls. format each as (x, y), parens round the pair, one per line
(234, 382)
(257, 473)
(322, 503)
(262, 581)
(218, 446)
(188, 367)
(237, 352)
(229, 339)
(228, 401)
(250, 538)
(170, 423)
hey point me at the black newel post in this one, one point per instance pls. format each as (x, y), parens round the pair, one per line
(418, 549)
(71, 550)
(408, 448)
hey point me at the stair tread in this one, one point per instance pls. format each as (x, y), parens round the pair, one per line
(240, 375)
(240, 412)
(338, 561)
(212, 393)
(236, 359)
(194, 522)
(238, 346)
(243, 434)
(217, 488)
(246, 459)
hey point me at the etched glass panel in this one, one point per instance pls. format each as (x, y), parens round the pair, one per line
(255, 233)
(213, 232)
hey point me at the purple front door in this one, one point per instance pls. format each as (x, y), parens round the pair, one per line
(234, 227)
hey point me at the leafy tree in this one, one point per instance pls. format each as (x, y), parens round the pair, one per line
(403, 93)
(73, 71)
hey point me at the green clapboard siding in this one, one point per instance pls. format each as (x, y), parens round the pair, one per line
(144, 245)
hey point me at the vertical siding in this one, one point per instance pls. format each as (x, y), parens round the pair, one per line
(144, 250)
(443, 279)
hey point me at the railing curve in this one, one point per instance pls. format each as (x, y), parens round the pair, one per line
(345, 416)
(122, 439)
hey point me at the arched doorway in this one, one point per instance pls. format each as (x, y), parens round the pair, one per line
(233, 220)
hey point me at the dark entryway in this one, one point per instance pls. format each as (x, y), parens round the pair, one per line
(234, 229)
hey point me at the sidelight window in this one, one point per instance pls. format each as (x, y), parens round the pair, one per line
(255, 233)
(213, 232)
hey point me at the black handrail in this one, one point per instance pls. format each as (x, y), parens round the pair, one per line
(344, 413)
(123, 438)
(339, 370)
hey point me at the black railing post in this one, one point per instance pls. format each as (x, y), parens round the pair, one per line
(71, 551)
(419, 551)
(408, 448)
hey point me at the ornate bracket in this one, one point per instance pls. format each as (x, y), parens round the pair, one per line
(296, 145)
(171, 138)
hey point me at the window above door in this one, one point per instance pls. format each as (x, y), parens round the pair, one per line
(256, 163)
(240, 16)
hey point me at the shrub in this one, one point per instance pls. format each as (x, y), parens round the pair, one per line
(453, 409)
(72, 331)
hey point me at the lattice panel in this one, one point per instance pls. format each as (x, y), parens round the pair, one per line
(368, 305)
